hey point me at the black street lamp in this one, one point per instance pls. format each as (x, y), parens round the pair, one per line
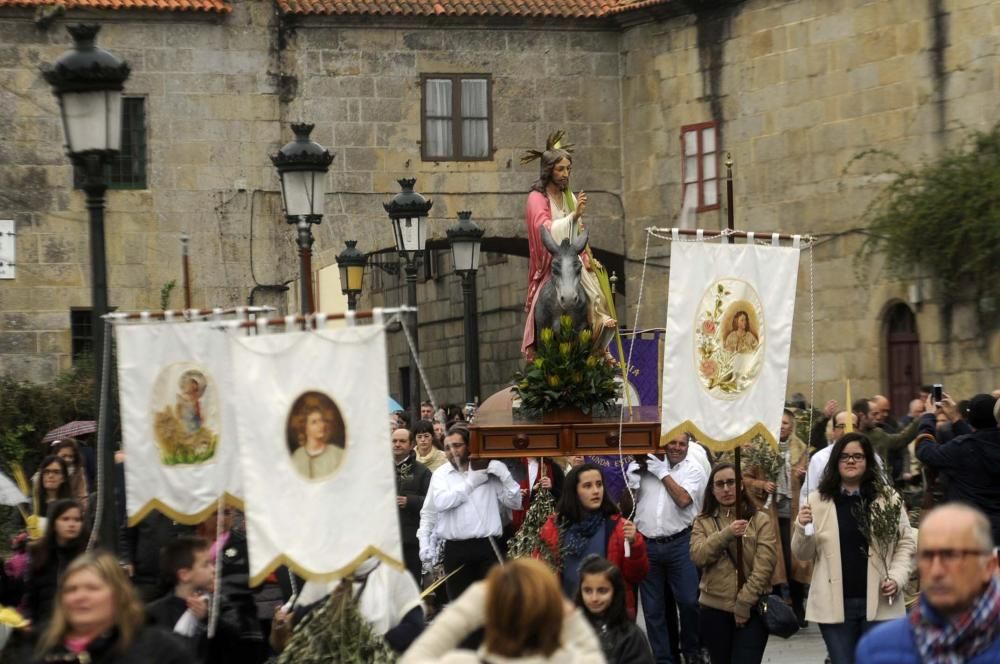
(408, 213)
(302, 166)
(465, 238)
(88, 82)
(351, 263)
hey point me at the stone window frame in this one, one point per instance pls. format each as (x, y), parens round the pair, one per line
(456, 113)
(135, 150)
(701, 158)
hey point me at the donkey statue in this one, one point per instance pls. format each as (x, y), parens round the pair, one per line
(562, 294)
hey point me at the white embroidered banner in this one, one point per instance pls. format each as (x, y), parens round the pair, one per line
(729, 331)
(178, 425)
(318, 471)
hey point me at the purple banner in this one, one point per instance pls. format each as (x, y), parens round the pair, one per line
(644, 374)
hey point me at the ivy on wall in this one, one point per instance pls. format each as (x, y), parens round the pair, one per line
(943, 218)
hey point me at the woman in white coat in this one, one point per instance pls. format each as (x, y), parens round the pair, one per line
(850, 589)
(525, 617)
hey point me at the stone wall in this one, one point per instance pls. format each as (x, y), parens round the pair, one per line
(221, 92)
(801, 88)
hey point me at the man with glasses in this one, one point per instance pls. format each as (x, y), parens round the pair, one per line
(669, 497)
(958, 616)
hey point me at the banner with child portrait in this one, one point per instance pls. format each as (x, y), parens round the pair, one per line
(178, 428)
(314, 436)
(729, 330)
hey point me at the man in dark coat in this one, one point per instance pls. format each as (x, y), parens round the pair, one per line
(189, 573)
(971, 460)
(412, 481)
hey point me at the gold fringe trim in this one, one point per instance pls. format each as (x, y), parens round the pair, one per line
(311, 575)
(181, 517)
(687, 426)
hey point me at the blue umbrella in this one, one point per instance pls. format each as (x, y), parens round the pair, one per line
(394, 405)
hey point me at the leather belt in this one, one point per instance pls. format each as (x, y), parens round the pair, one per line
(669, 538)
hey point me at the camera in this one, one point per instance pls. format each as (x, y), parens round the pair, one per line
(937, 392)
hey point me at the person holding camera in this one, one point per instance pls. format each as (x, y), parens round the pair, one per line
(971, 460)
(467, 496)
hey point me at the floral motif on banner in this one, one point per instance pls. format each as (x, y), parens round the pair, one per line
(729, 338)
(185, 412)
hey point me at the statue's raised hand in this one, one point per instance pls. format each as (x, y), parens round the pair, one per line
(581, 204)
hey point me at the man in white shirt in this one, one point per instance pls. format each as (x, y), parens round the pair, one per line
(669, 497)
(468, 502)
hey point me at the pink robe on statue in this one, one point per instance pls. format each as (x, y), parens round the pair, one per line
(537, 213)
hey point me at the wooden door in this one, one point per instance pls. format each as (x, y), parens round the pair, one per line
(903, 353)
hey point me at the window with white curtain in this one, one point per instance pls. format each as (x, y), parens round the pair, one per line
(457, 118)
(701, 164)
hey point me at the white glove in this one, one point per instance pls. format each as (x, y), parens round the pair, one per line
(659, 468)
(498, 469)
(632, 475)
(476, 477)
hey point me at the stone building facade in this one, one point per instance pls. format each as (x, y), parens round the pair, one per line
(794, 89)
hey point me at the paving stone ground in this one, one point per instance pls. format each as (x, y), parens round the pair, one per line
(806, 647)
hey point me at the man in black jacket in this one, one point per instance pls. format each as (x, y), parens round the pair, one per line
(971, 460)
(189, 572)
(412, 480)
(140, 551)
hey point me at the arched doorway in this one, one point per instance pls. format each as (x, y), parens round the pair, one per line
(903, 353)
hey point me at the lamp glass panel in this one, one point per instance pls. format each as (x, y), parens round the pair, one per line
(93, 120)
(355, 277)
(410, 235)
(303, 192)
(475, 255)
(461, 253)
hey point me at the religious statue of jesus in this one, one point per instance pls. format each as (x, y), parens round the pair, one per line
(551, 205)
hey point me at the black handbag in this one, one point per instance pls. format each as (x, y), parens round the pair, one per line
(778, 617)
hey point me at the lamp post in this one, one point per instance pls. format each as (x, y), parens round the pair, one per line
(465, 238)
(351, 264)
(302, 167)
(408, 214)
(88, 82)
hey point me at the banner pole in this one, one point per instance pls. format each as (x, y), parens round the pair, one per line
(731, 226)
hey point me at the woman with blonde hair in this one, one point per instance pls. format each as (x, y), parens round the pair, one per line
(525, 616)
(98, 619)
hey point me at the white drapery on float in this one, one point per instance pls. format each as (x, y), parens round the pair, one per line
(178, 423)
(729, 327)
(325, 511)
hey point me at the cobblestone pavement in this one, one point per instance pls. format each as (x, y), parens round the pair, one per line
(806, 647)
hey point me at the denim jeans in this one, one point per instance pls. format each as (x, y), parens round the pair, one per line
(670, 563)
(842, 638)
(728, 643)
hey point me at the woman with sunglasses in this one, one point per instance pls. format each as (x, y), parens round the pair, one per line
(850, 591)
(730, 624)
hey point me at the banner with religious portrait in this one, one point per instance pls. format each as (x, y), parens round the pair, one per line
(178, 426)
(314, 449)
(729, 331)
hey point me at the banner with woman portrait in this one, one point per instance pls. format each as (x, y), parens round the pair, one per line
(729, 329)
(178, 426)
(320, 491)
